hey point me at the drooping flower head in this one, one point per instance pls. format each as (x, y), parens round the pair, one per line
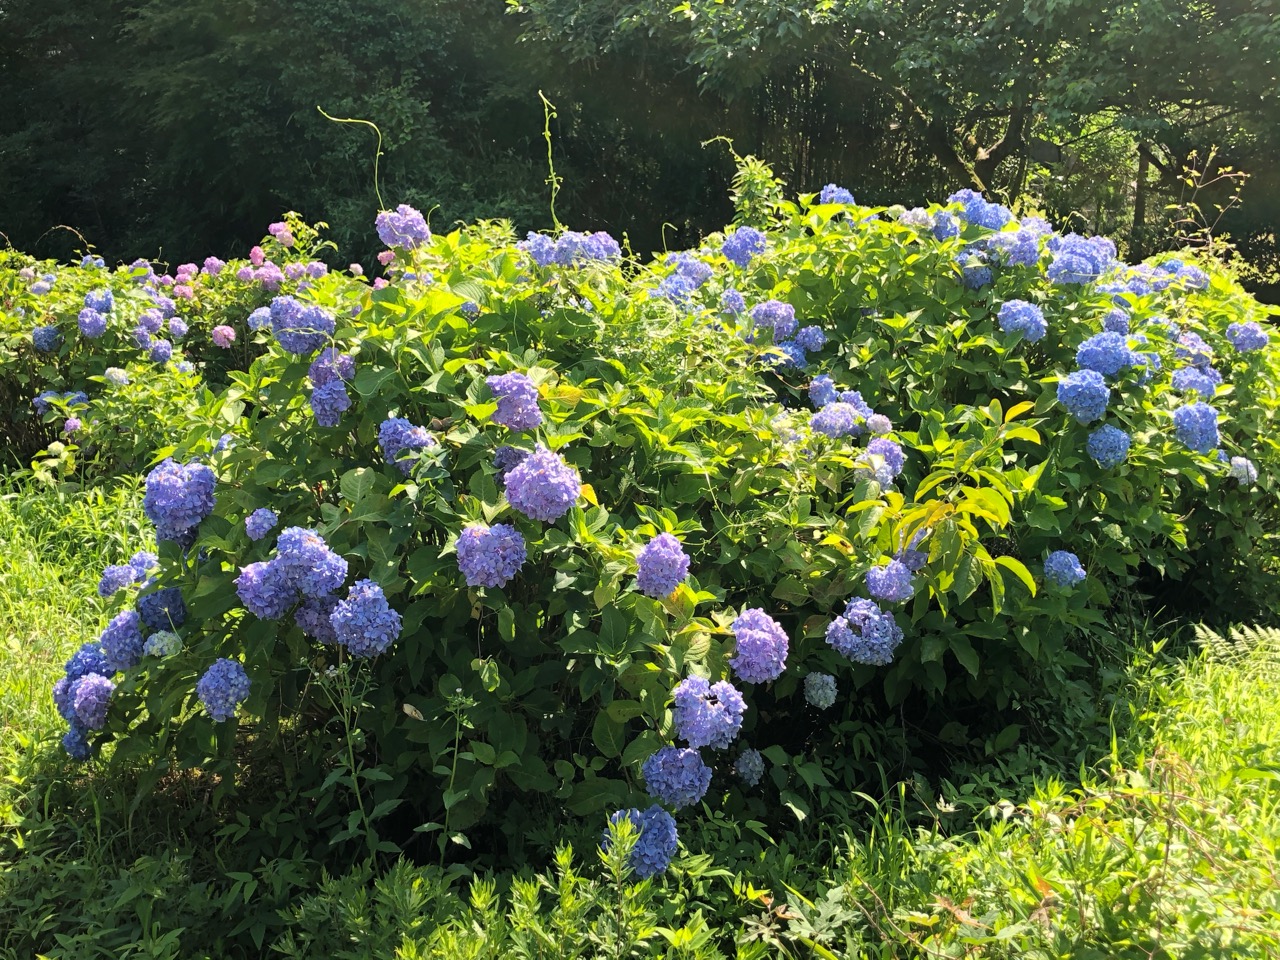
(761, 647)
(490, 556)
(676, 775)
(662, 565)
(707, 714)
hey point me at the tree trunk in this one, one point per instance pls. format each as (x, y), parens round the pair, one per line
(1136, 251)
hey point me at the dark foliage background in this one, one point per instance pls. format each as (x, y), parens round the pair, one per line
(180, 129)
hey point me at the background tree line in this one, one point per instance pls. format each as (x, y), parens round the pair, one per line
(181, 128)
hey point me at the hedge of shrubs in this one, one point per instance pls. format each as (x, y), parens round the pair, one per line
(527, 525)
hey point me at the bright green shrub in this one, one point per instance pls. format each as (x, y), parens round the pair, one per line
(492, 704)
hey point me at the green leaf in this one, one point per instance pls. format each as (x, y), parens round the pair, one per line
(357, 484)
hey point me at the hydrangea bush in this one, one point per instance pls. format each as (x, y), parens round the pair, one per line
(591, 530)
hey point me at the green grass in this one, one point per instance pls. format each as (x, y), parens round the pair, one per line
(1166, 846)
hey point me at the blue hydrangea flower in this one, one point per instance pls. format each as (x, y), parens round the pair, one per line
(332, 364)
(677, 288)
(1192, 348)
(1062, 569)
(222, 688)
(92, 323)
(313, 617)
(121, 641)
(979, 211)
(397, 436)
(836, 420)
(261, 522)
(328, 402)
(1108, 353)
(878, 425)
(88, 659)
(178, 497)
(865, 633)
(822, 391)
(1242, 469)
(260, 319)
(1078, 259)
(162, 643)
(820, 690)
(787, 355)
(887, 450)
(1192, 277)
(571, 248)
(307, 562)
(163, 609)
(1018, 248)
(1197, 380)
(1085, 394)
(1019, 316)
(891, 582)
(76, 743)
(974, 270)
(90, 698)
(761, 647)
(1196, 425)
(1109, 446)
(178, 328)
(662, 565)
(543, 486)
(780, 316)
(116, 578)
(299, 328)
(731, 301)
(945, 225)
(1246, 337)
(265, 590)
(707, 714)
(490, 556)
(506, 459)
(1116, 321)
(540, 247)
(116, 376)
(749, 766)
(63, 701)
(834, 194)
(656, 841)
(143, 562)
(743, 244)
(517, 401)
(161, 351)
(364, 623)
(676, 775)
(811, 339)
(402, 227)
(46, 339)
(100, 300)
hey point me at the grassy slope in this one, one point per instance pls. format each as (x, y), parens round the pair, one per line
(1172, 853)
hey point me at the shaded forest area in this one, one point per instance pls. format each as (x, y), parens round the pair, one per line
(179, 129)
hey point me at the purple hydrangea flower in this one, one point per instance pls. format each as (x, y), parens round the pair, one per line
(1019, 316)
(90, 698)
(707, 714)
(662, 565)
(307, 563)
(743, 244)
(223, 336)
(331, 365)
(834, 194)
(163, 609)
(490, 556)
(161, 351)
(364, 623)
(121, 641)
(891, 582)
(822, 391)
(260, 319)
(403, 227)
(1116, 321)
(396, 436)
(1192, 348)
(179, 496)
(71, 425)
(762, 647)
(676, 775)
(178, 328)
(213, 266)
(543, 486)
(517, 401)
(865, 633)
(780, 316)
(945, 225)
(1109, 446)
(890, 452)
(749, 766)
(1085, 394)
(1246, 337)
(103, 301)
(265, 591)
(1062, 569)
(299, 328)
(1107, 353)
(328, 402)
(731, 301)
(820, 690)
(506, 459)
(92, 323)
(313, 617)
(222, 688)
(261, 522)
(838, 419)
(116, 578)
(811, 338)
(89, 658)
(656, 841)
(46, 339)
(1196, 425)
(878, 425)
